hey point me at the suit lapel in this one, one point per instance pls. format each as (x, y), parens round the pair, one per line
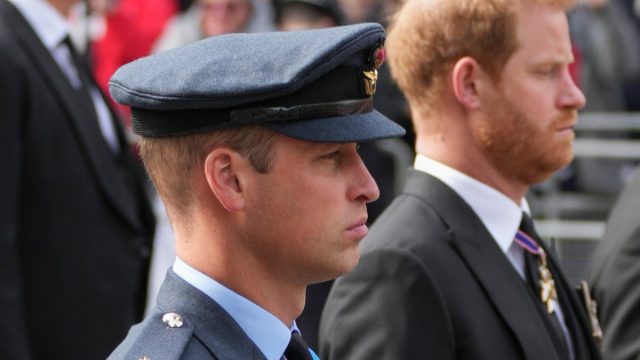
(212, 324)
(82, 117)
(488, 263)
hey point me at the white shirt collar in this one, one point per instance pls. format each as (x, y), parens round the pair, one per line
(499, 214)
(265, 330)
(46, 21)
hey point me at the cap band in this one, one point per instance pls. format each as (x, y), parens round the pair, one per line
(301, 112)
(159, 123)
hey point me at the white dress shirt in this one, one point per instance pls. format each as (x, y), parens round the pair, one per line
(499, 215)
(265, 330)
(52, 29)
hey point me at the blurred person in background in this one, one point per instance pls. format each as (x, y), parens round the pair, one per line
(358, 11)
(609, 46)
(75, 222)
(607, 42)
(615, 265)
(215, 17)
(112, 33)
(306, 14)
(615, 275)
(632, 85)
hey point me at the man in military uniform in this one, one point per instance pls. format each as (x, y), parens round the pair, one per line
(250, 140)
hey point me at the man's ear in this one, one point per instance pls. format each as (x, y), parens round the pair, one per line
(467, 77)
(221, 167)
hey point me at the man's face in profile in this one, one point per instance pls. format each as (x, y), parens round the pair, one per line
(527, 130)
(307, 215)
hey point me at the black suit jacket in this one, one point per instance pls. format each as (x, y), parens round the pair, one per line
(614, 276)
(205, 330)
(433, 284)
(75, 224)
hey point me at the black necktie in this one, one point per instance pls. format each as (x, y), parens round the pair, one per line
(297, 348)
(92, 97)
(532, 271)
(79, 63)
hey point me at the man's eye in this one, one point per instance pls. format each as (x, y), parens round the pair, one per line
(332, 155)
(549, 71)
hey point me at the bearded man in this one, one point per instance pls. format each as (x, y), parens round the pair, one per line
(453, 268)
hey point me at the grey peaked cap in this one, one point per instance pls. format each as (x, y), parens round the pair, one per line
(305, 84)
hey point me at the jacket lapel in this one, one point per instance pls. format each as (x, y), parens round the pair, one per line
(488, 263)
(217, 330)
(82, 117)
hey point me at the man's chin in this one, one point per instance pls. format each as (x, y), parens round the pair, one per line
(346, 265)
(546, 171)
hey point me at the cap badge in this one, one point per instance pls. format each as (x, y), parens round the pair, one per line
(371, 76)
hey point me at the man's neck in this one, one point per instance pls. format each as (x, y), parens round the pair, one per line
(471, 163)
(278, 296)
(63, 6)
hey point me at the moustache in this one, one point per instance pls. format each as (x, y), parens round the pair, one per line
(567, 119)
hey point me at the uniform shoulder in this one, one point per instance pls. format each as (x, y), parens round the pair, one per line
(162, 335)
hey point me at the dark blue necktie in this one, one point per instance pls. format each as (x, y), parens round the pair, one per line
(297, 348)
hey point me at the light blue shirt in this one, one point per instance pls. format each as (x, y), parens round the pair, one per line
(500, 215)
(265, 330)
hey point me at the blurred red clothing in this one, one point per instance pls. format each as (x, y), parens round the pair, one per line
(132, 29)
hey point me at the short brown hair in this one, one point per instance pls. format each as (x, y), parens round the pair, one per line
(427, 37)
(171, 162)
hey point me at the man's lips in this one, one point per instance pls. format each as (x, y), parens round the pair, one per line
(566, 122)
(359, 228)
(570, 126)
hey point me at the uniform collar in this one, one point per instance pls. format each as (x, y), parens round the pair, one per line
(269, 334)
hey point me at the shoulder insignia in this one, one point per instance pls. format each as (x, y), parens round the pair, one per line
(160, 336)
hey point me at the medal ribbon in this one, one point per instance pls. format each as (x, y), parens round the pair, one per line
(548, 291)
(527, 243)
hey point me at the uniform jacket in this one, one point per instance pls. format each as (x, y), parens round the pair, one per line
(186, 324)
(433, 284)
(614, 277)
(75, 224)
